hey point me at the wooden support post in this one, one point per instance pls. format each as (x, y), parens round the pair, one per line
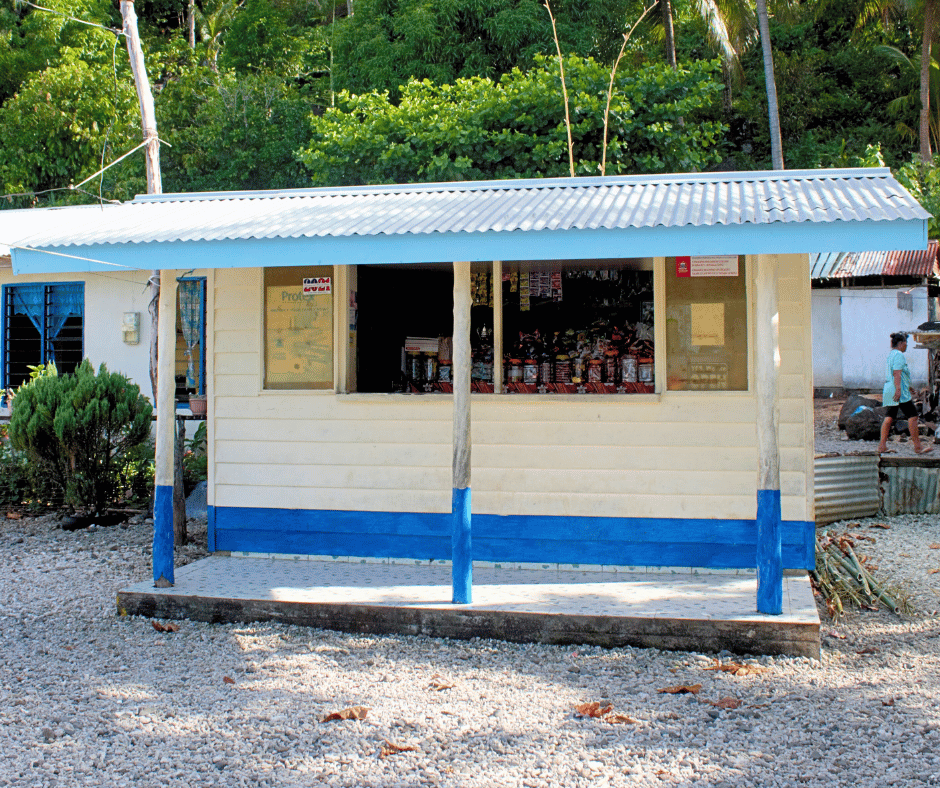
(498, 383)
(166, 435)
(461, 555)
(767, 367)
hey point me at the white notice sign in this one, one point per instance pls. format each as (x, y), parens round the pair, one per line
(708, 265)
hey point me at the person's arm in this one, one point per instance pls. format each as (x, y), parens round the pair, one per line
(897, 385)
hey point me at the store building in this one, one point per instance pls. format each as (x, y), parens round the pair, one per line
(640, 359)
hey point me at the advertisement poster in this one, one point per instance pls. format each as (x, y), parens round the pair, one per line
(299, 334)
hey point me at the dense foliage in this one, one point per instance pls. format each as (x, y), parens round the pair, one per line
(288, 93)
(79, 432)
(479, 129)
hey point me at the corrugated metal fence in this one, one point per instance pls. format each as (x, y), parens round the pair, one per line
(846, 487)
(910, 485)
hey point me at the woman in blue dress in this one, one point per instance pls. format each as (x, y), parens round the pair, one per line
(896, 395)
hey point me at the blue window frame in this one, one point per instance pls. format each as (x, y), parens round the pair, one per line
(190, 337)
(42, 323)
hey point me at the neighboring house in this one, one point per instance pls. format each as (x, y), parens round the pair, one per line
(102, 316)
(646, 434)
(859, 299)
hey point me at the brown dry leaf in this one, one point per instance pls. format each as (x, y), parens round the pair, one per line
(165, 627)
(887, 702)
(352, 713)
(880, 525)
(738, 669)
(228, 679)
(867, 650)
(833, 634)
(619, 719)
(438, 684)
(932, 571)
(390, 748)
(934, 546)
(14, 516)
(592, 709)
(727, 703)
(681, 689)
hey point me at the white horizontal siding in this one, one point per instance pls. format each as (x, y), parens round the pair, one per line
(682, 454)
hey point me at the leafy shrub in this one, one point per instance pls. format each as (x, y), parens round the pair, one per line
(15, 487)
(78, 430)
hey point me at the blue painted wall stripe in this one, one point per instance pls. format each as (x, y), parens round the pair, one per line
(210, 528)
(718, 544)
(461, 547)
(769, 557)
(163, 533)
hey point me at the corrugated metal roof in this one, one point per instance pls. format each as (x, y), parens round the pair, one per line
(845, 265)
(484, 207)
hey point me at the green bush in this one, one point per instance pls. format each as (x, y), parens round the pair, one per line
(78, 431)
(15, 487)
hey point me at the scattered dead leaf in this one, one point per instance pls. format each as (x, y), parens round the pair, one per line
(14, 516)
(738, 668)
(867, 650)
(620, 719)
(725, 703)
(934, 546)
(681, 689)
(833, 634)
(352, 713)
(593, 709)
(390, 748)
(932, 571)
(165, 627)
(880, 525)
(438, 683)
(887, 702)
(228, 679)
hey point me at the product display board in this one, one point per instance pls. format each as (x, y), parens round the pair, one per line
(298, 332)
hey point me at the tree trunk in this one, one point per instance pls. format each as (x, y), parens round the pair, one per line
(666, 6)
(192, 24)
(929, 22)
(773, 113)
(148, 122)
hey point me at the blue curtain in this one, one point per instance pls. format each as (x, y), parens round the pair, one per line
(28, 300)
(65, 301)
(190, 304)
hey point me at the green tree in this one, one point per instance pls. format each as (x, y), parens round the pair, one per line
(78, 430)
(479, 129)
(388, 42)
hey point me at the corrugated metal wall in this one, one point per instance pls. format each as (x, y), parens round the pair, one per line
(908, 488)
(846, 487)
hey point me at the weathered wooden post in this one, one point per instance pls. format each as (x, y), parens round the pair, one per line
(767, 366)
(166, 434)
(460, 542)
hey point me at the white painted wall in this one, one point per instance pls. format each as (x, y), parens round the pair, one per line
(676, 454)
(827, 338)
(868, 319)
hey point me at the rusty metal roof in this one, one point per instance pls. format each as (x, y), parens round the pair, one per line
(669, 201)
(847, 265)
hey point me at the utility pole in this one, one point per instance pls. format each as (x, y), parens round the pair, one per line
(168, 470)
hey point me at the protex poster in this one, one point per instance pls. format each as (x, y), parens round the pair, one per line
(709, 265)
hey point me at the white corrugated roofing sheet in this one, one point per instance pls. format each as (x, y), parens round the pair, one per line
(483, 207)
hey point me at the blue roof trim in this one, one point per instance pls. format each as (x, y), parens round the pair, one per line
(776, 238)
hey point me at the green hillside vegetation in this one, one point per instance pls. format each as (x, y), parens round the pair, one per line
(291, 93)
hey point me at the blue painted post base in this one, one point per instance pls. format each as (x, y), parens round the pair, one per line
(769, 554)
(163, 536)
(461, 553)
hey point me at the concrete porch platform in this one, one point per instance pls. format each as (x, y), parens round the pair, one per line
(667, 609)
